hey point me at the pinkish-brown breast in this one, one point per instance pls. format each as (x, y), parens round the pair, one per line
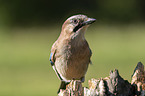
(73, 61)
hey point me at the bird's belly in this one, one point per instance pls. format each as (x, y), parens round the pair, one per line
(72, 68)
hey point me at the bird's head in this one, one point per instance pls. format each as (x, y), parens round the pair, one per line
(76, 25)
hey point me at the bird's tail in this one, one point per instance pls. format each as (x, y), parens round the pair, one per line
(62, 86)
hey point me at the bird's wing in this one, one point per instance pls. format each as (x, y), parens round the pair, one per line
(91, 55)
(90, 51)
(52, 54)
(52, 59)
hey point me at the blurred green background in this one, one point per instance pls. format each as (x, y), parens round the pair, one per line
(28, 28)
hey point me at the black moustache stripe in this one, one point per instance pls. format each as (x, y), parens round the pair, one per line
(78, 27)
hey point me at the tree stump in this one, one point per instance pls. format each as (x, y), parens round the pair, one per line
(138, 78)
(113, 85)
(74, 88)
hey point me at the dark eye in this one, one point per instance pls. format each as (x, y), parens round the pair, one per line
(75, 21)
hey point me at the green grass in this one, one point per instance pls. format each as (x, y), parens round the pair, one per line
(26, 71)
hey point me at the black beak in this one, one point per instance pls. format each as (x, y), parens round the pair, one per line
(89, 21)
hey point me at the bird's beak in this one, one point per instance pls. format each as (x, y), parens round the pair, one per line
(89, 21)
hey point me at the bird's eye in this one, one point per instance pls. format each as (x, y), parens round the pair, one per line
(75, 21)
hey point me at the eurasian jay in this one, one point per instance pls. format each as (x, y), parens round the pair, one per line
(70, 54)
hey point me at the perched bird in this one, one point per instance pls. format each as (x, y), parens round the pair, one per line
(70, 54)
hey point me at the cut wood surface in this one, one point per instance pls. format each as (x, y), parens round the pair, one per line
(113, 85)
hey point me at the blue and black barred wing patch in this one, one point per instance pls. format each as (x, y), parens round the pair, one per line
(51, 59)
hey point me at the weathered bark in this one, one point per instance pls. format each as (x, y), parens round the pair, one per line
(74, 88)
(114, 85)
(138, 78)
